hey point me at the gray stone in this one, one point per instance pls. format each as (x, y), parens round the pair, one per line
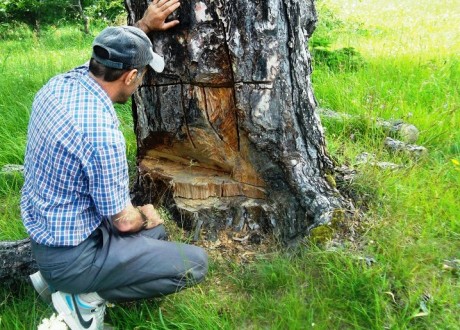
(328, 113)
(386, 165)
(12, 168)
(364, 158)
(400, 146)
(408, 133)
(397, 128)
(367, 158)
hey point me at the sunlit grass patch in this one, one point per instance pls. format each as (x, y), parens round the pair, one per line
(412, 74)
(26, 64)
(395, 28)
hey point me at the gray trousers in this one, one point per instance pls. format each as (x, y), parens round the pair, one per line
(122, 267)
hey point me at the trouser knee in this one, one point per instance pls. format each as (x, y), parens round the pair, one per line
(199, 259)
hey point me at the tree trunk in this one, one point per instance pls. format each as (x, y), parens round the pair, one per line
(82, 14)
(227, 135)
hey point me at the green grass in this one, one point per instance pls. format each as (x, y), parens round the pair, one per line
(412, 221)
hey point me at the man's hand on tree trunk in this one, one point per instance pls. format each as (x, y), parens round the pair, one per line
(155, 16)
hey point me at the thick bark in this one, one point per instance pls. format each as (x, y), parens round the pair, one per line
(228, 135)
(16, 261)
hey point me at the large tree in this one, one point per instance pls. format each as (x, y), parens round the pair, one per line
(227, 135)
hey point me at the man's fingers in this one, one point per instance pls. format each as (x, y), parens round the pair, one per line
(172, 8)
(165, 5)
(170, 24)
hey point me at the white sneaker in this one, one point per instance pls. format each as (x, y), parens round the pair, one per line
(77, 314)
(41, 286)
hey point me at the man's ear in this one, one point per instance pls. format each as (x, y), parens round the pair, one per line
(130, 77)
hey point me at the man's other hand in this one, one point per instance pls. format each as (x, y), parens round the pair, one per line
(152, 215)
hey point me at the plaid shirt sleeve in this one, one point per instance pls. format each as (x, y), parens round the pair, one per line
(108, 178)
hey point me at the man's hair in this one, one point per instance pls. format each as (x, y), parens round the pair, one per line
(101, 71)
(109, 74)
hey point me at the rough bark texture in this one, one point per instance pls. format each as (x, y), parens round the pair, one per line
(227, 135)
(16, 261)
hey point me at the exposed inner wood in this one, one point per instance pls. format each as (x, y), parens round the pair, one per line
(195, 182)
(221, 113)
(207, 158)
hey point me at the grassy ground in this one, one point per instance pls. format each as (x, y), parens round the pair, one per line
(397, 276)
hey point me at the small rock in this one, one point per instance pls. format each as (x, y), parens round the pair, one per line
(387, 125)
(367, 158)
(368, 260)
(364, 158)
(344, 174)
(328, 113)
(452, 266)
(386, 165)
(408, 133)
(396, 145)
(397, 128)
(12, 168)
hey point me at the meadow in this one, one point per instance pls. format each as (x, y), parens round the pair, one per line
(402, 272)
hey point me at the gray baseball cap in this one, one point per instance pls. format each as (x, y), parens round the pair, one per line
(125, 47)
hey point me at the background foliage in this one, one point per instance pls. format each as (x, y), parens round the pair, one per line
(42, 12)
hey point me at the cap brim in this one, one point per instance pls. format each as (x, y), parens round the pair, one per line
(157, 63)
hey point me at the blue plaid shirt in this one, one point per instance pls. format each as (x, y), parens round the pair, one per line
(76, 171)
